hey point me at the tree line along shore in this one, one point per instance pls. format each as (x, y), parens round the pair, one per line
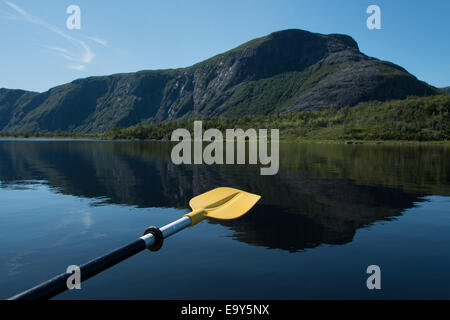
(412, 119)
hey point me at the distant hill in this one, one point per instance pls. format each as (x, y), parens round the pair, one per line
(445, 90)
(283, 72)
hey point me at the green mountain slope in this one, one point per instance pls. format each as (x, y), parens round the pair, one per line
(283, 72)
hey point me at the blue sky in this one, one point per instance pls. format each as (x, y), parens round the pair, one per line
(40, 52)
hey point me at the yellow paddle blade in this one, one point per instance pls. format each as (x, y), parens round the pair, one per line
(221, 203)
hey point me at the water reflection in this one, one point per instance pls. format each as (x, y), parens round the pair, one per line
(322, 194)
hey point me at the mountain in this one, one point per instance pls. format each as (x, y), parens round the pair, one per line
(445, 90)
(283, 72)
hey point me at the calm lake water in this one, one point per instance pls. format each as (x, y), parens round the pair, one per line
(331, 211)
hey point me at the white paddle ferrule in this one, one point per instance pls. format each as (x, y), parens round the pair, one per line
(167, 230)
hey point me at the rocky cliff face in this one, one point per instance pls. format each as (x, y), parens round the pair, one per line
(283, 72)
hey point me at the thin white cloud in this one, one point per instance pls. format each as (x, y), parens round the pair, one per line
(63, 52)
(58, 49)
(98, 40)
(79, 67)
(86, 55)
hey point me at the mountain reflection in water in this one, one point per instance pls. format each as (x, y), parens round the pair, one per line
(321, 195)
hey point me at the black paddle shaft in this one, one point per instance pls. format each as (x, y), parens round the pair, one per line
(58, 284)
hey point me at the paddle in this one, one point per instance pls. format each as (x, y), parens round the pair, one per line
(220, 203)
